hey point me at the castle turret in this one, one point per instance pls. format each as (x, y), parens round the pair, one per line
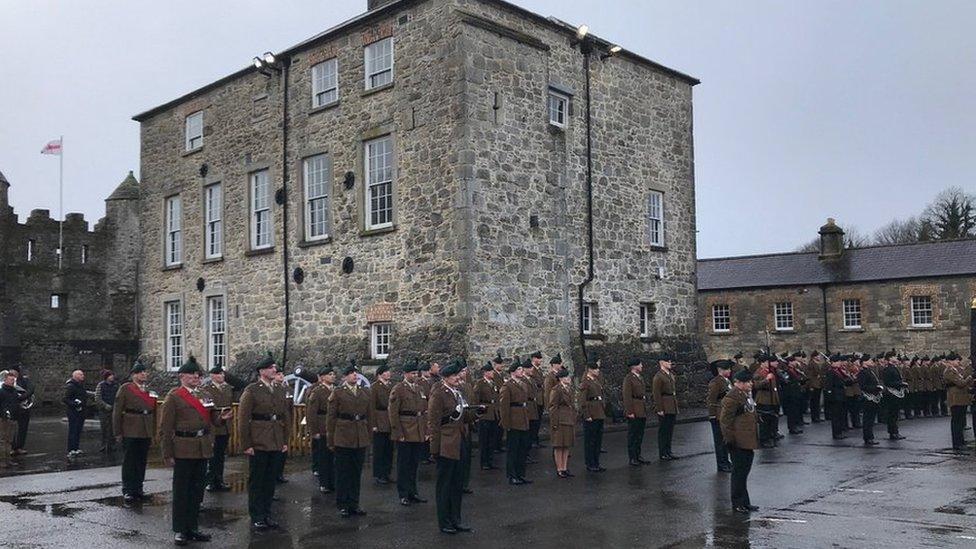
(4, 196)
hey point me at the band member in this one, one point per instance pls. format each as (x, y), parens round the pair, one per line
(835, 384)
(718, 387)
(448, 420)
(958, 383)
(766, 386)
(263, 428)
(562, 422)
(665, 405)
(499, 377)
(934, 379)
(408, 427)
(513, 405)
(348, 423)
(792, 379)
(285, 394)
(635, 410)
(486, 394)
(9, 402)
(871, 393)
(134, 422)
(813, 369)
(316, 409)
(26, 395)
(534, 375)
(75, 401)
(186, 438)
(737, 418)
(891, 401)
(942, 389)
(852, 394)
(593, 412)
(221, 394)
(105, 393)
(379, 396)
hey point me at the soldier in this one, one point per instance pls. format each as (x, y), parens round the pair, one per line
(958, 383)
(316, 410)
(105, 393)
(448, 420)
(792, 393)
(379, 396)
(408, 427)
(186, 431)
(221, 394)
(551, 378)
(942, 392)
(534, 375)
(562, 422)
(766, 386)
(593, 412)
(835, 384)
(23, 415)
(737, 418)
(813, 369)
(498, 363)
(285, 394)
(665, 405)
(467, 389)
(348, 423)
(9, 403)
(890, 403)
(932, 379)
(514, 417)
(134, 422)
(635, 409)
(426, 382)
(75, 401)
(852, 394)
(871, 393)
(263, 428)
(486, 394)
(737, 364)
(718, 387)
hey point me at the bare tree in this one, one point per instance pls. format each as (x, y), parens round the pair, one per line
(897, 231)
(853, 238)
(952, 214)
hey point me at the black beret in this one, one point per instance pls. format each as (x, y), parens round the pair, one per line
(349, 369)
(382, 369)
(836, 357)
(561, 373)
(593, 365)
(742, 375)
(953, 356)
(498, 359)
(487, 367)
(138, 367)
(558, 359)
(453, 368)
(216, 370)
(537, 354)
(515, 365)
(190, 367)
(424, 367)
(633, 361)
(267, 361)
(326, 370)
(723, 364)
(737, 355)
(665, 357)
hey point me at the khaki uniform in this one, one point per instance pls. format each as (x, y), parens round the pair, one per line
(591, 407)
(264, 417)
(718, 387)
(349, 417)
(767, 392)
(408, 406)
(957, 387)
(486, 394)
(379, 401)
(663, 391)
(591, 399)
(562, 416)
(445, 423)
(132, 416)
(316, 409)
(222, 397)
(183, 432)
(548, 382)
(513, 405)
(739, 425)
(634, 396)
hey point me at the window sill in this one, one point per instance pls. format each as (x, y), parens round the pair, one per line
(921, 328)
(323, 108)
(377, 89)
(210, 260)
(852, 330)
(785, 332)
(656, 248)
(192, 152)
(594, 337)
(373, 362)
(556, 128)
(175, 267)
(313, 243)
(722, 333)
(260, 251)
(374, 232)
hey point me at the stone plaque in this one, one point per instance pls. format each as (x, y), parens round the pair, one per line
(379, 312)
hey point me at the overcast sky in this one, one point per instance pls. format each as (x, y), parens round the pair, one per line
(857, 110)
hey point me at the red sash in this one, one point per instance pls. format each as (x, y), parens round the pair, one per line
(150, 401)
(183, 393)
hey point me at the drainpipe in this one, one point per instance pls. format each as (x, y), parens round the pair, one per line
(285, 64)
(586, 48)
(823, 294)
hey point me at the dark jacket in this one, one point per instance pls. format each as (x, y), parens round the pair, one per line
(75, 397)
(9, 403)
(105, 395)
(868, 382)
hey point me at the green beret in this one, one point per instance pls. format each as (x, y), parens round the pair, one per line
(743, 376)
(190, 367)
(487, 367)
(453, 368)
(537, 354)
(498, 359)
(633, 361)
(563, 372)
(216, 370)
(326, 370)
(558, 359)
(382, 369)
(138, 367)
(267, 361)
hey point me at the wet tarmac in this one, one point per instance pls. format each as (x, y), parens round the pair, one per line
(813, 492)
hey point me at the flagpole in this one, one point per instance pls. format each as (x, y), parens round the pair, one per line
(61, 203)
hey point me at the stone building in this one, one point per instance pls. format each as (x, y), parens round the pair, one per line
(915, 298)
(414, 181)
(79, 316)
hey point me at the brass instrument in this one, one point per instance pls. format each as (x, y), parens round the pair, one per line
(874, 397)
(27, 402)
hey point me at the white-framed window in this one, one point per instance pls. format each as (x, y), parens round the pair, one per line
(379, 63)
(721, 318)
(325, 83)
(55, 301)
(213, 210)
(260, 210)
(587, 319)
(84, 254)
(922, 311)
(783, 315)
(174, 230)
(216, 331)
(655, 218)
(174, 334)
(647, 314)
(558, 109)
(852, 313)
(194, 131)
(30, 250)
(380, 334)
(317, 176)
(379, 182)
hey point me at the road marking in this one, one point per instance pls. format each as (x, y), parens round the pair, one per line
(771, 519)
(860, 490)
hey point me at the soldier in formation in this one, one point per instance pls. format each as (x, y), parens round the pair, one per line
(134, 422)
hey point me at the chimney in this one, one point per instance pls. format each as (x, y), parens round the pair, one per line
(377, 4)
(831, 241)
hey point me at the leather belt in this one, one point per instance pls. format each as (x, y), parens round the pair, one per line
(412, 414)
(265, 417)
(139, 412)
(517, 404)
(351, 417)
(591, 399)
(637, 397)
(191, 434)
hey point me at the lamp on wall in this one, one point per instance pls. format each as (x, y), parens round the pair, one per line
(266, 64)
(612, 51)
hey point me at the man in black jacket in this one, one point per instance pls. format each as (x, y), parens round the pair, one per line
(834, 383)
(871, 391)
(890, 404)
(9, 403)
(75, 400)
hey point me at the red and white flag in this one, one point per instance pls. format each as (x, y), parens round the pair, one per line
(52, 147)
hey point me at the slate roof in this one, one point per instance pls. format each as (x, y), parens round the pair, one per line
(899, 262)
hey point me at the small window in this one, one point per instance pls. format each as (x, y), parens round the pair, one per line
(216, 332)
(922, 311)
(325, 83)
(655, 218)
(647, 320)
(852, 314)
(588, 318)
(783, 313)
(379, 183)
(84, 254)
(174, 334)
(56, 301)
(174, 231)
(260, 210)
(558, 109)
(194, 131)
(213, 199)
(379, 339)
(30, 250)
(317, 175)
(379, 63)
(721, 318)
